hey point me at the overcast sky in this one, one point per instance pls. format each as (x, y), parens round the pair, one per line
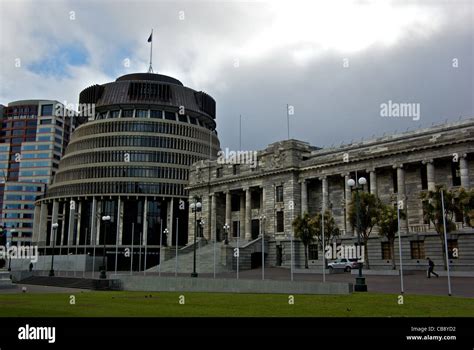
(336, 62)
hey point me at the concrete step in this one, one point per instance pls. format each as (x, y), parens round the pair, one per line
(67, 282)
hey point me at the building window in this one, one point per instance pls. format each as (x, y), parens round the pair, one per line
(452, 248)
(394, 181)
(170, 116)
(127, 113)
(156, 114)
(255, 202)
(219, 172)
(417, 249)
(279, 194)
(235, 228)
(424, 178)
(426, 220)
(456, 174)
(280, 227)
(235, 203)
(313, 252)
(47, 110)
(236, 169)
(386, 252)
(142, 113)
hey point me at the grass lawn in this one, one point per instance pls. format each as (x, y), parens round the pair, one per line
(215, 304)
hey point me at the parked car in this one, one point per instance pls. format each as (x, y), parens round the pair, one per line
(345, 264)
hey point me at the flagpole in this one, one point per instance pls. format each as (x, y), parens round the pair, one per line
(402, 289)
(288, 120)
(446, 242)
(240, 132)
(150, 69)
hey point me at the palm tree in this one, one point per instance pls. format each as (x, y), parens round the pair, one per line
(331, 230)
(466, 203)
(388, 226)
(305, 231)
(369, 208)
(433, 212)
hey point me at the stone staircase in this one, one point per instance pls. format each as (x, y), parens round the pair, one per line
(5, 281)
(204, 260)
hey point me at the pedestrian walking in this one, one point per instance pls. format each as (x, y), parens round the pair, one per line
(431, 266)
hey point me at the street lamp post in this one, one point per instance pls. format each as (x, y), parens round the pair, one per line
(201, 235)
(360, 285)
(166, 231)
(55, 227)
(290, 237)
(226, 233)
(195, 207)
(103, 270)
(262, 233)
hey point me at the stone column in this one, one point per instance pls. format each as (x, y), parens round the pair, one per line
(118, 235)
(304, 197)
(348, 199)
(54, 219)
(401, 195)
(94, 222)
(430, 174)
(63, 223)
(207, 221)
(263, 206)
(373, 182)
(242, 220)
(169, 238)
(464, 171)
(325, 193)
(43, 222)
(248, 214)
(145, 223)
(72, 217)
(36, 225)
(213, 217)
(228, 212)
(78, 226)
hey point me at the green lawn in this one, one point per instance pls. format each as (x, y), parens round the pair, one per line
(216, 304)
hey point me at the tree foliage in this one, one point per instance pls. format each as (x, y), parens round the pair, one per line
(368, 212)
(305, 230)
(433, 212)
(388, 226)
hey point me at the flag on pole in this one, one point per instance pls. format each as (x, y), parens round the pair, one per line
(150, 37)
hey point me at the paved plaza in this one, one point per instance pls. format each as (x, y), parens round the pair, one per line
(414, 283)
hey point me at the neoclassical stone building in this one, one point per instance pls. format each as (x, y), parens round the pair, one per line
(292, 177)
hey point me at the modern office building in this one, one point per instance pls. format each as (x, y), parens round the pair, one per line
(292, 177)
(33, 137)
(130, 162)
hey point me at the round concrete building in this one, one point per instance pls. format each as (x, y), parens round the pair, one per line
(129, 162)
